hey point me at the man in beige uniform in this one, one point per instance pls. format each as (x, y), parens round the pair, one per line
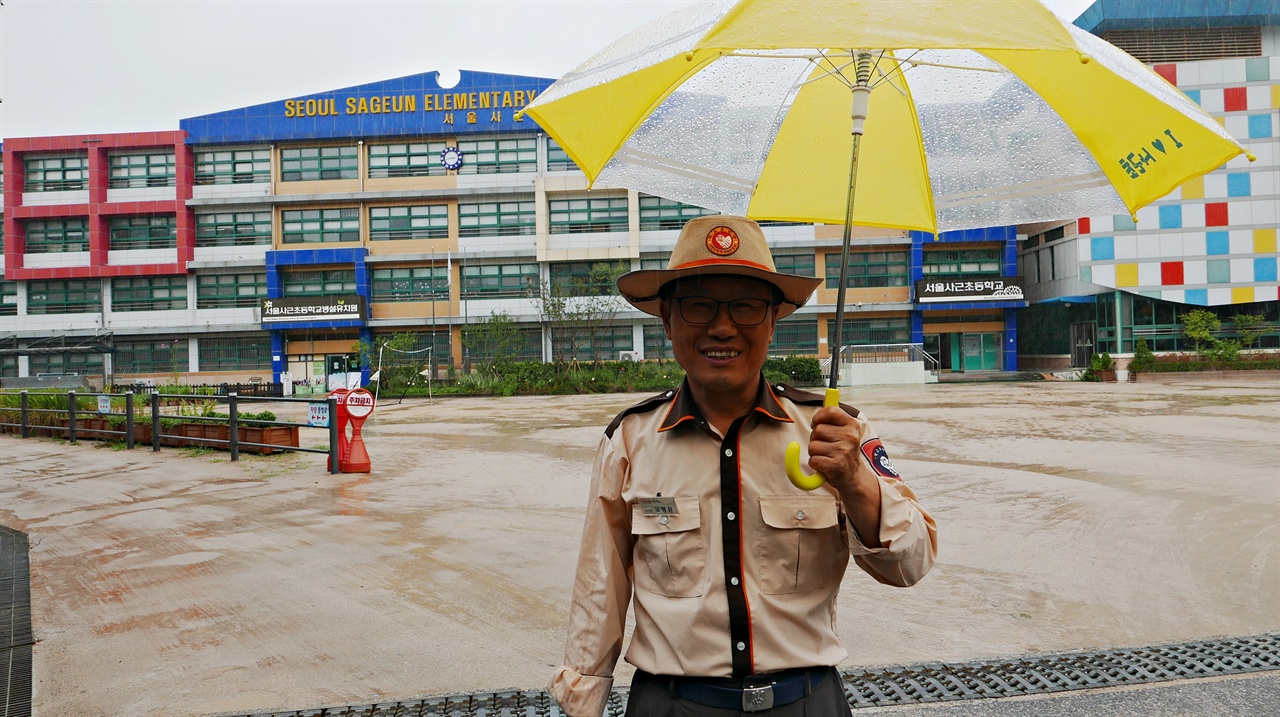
(733, 570)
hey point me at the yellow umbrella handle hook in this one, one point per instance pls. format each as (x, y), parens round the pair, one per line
(794, 473)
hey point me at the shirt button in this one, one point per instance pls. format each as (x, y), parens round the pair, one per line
(799, 515)
(733, 581)
(664, 520)
(732, 515)
(728, 451)
(742, 646)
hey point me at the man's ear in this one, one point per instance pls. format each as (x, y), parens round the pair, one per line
(664, 310)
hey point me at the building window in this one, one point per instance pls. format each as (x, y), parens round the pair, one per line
(154, 169)
(304, 164)
(9, 366)
(235, 353)
(423, 222)
(149, 232)
(440, 343)
(656, 345)
(795, 337)
(57, 235)
(499, 156)
(226, 291)
(479, 347)
(148, 293)
(956, 263)
(151, 356)
(77, 364)
(799, 264)
(64, 296)
(577, 343)
(581, 216)
(586, 278)
(320, 226)
(319, 282)
(868, 269)
(557, 159)
(657, 213)
(411, 283)
(233, 229)
(496, 219)
(420, 159)
(8, 298)
(233, 166)
(496, 281)
(860, 332)
(56, 174)
(655, 262)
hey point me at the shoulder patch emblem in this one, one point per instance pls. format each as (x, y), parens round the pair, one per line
(874, 452)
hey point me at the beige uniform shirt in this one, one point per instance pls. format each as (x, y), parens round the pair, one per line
(737, 573)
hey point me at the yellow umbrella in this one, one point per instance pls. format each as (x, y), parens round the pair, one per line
(927, 115)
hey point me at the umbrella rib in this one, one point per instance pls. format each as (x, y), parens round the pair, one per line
(693, 171)
(1013, 191)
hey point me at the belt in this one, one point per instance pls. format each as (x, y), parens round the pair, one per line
(750, 694)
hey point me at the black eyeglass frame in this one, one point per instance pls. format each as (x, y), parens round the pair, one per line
(742, 303)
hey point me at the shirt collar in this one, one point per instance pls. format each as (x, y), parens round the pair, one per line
(684, 408)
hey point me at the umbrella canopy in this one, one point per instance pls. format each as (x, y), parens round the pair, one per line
(982, 114)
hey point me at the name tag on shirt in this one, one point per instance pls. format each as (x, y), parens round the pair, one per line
(659, 506)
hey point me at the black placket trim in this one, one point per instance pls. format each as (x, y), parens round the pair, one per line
(731, 530)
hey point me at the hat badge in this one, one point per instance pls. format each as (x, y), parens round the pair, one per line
(722, 241)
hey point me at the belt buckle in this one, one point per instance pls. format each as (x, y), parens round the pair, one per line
(756, 699)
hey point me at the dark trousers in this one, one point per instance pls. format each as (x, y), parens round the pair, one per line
(651, 697)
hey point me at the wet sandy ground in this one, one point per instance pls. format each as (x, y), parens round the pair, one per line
(1072, 516)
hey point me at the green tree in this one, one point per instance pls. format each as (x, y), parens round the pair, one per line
(390, 358)
(1143, 359)
(493, 342)
(578, 308)
(1249, 327)
(1200, 325)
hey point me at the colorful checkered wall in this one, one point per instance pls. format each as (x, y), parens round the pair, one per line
(1212, 241)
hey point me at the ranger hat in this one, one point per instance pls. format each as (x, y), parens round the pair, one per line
(712, 245)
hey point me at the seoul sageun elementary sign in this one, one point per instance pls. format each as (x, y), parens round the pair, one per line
(416, 105)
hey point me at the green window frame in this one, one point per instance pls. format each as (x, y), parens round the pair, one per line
(869, 269)
(64, 296)
(8, 298)
(795, 337)
(658, 213)
(320, 226)
(233, 166)
(228, 291)
(156, 231)
(498, 281)
(148, 293)
(426, 221)
(655, 262)
(861, 332)
(584, 278)
(605, 345)
(8, 366)
(528, 347)
(235, 353)
(499, 155)
(307, 164)
(409, 159)
(587, 215)
(151, 356)
(48, 236)
(656, 344)
(799, 264)
(411, 283)
(955, 263)
(233, 229)
(149, 169)
(56, 174)
(558, 160)
(440, 343)
(318, 282)
(79, 364)
(497, 219)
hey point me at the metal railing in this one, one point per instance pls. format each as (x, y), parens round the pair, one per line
(888, 353)
(73, 415)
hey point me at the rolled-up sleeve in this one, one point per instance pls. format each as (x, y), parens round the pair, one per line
(908, 534)
(601, 591)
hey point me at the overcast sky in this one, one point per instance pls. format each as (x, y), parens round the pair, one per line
(80, 66)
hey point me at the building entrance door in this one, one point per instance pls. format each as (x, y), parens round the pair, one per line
(1083, 337)
(980, 352)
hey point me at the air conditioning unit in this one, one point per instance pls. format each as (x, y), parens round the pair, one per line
(628, 355)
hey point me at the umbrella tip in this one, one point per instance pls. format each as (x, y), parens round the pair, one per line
(1252, 157)
(519, 115)
(688, 56)
(1084, 59)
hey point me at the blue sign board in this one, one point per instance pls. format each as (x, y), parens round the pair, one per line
(415, 106)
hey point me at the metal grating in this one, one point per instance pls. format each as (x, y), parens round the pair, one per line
(1154, 45)
(15, 624)
(912, 684)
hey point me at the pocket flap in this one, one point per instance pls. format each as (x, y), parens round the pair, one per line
(799, 511)
(687, 517)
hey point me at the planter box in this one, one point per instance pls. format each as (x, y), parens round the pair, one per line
(1107, 375)
(95, 429)
(191, 434)
(273, 435)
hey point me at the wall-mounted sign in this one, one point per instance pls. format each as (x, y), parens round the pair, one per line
(314, 308)
(980, 288)
(451, 158)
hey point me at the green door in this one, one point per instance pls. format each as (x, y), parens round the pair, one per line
(981, 352)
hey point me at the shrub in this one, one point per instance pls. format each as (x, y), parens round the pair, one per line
(1143, 359)
(799, 370)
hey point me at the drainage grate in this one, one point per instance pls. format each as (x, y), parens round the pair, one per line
(15, 625)
(912, 684)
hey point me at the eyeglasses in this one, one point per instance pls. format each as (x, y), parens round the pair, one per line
(703, 310)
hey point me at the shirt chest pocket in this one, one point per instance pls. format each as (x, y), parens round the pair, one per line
(800, 543)
(670, 553)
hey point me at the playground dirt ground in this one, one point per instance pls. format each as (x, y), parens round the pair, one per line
(1071, 516)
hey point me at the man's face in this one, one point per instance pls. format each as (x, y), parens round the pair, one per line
(721, 356)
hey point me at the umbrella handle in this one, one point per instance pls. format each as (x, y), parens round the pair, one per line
(794, 473)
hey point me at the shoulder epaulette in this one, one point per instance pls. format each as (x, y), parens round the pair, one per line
(643, 407)
(808, 398)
